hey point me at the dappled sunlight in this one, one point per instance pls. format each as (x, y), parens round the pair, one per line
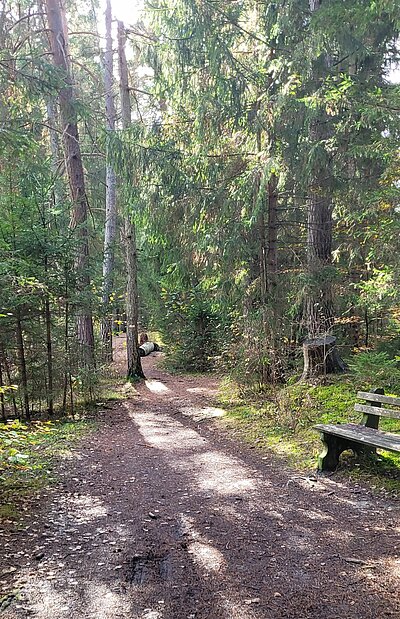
(212, 470)
(314, 514)
(222, 474)
(48, 602)
(96, 600)
(202, 390)
(339, 534)
(275, 514)
(237, 609)
(165, 433)
(156, 386)
(202, 550)
(358, 504)
(392, 564)
(68, 454)
(151, 614)
(206, 556)
(83, 508)
(199, 413)
(300, 542)
(232, 512)
(104, 603)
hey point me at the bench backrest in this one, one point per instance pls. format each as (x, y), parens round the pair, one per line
(373, 409)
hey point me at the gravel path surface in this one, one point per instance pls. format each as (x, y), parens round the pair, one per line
(160, 515)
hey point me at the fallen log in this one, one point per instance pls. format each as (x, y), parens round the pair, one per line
(147, 348)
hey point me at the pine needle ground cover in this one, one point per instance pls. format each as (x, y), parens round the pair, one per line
(282, 421)
(27, 457)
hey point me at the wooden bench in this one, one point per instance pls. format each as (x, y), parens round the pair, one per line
(363, 438)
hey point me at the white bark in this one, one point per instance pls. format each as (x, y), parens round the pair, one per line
(111, 204)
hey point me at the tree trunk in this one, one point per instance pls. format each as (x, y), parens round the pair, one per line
(111, 204)
(3, 360)
(57, 164)
(262, 261)
(22, 366)
(2, 405)
(318, 303)
(59, 47)
(49, 347)
(272, 254)
(132, 339)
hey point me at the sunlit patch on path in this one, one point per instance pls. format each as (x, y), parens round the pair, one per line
(156, 386)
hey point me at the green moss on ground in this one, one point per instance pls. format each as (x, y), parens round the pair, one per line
(282, 421)
(27, 456)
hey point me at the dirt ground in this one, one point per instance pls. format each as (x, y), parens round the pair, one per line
(161, 515)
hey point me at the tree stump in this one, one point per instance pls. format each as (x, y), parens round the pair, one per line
(321, 357)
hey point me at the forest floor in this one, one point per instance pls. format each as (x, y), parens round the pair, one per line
(162, 514)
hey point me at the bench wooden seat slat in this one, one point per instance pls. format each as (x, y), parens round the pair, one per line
(377, 410)
(377, 397)
(363, 438)
(363, 435)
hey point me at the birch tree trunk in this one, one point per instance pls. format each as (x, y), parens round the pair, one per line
(73, 159)
(111, 205)
(132, 313)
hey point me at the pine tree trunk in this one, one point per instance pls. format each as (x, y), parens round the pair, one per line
(22, 366)
(3, 360)
(111, 204)
(132, 335)
(59, 47)
(318, 302)
(2, 405)
(262, 260)
(133, 357)
(57, 164)
(272, 254)
(49, 347)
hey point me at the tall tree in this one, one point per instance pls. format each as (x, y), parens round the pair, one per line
(79, 218)
(132, 299)
(320, 354)
(111, 183)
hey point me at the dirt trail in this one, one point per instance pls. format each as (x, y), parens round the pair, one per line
(159, 515)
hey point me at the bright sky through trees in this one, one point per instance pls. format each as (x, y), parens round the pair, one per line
(126, 11)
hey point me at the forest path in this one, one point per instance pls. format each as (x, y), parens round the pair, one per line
(160, 515)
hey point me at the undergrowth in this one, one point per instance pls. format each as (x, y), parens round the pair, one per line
(27, 456)
(282, 420)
